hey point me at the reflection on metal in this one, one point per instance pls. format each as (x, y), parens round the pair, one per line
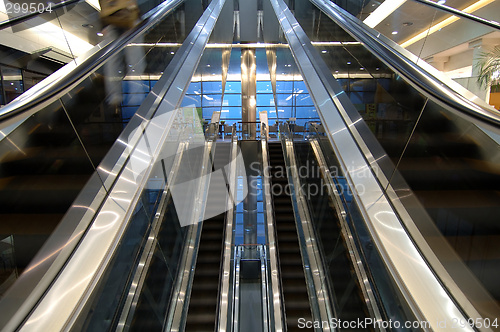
(408, 268)
(225, 298)
(314, 272)
(250, 269)
(271, 61)
(274, 286)
(248, 92)
(359, 268)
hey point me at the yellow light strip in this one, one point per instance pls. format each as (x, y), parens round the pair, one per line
(385, 9)
(472, 8)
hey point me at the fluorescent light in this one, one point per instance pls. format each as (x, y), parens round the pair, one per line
(385, 9)
(436, 27)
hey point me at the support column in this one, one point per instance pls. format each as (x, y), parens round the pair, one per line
(248, 91)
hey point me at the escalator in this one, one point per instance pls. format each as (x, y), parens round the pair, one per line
(296, 300)
(346, 290)
(130, 286)
(202, 309)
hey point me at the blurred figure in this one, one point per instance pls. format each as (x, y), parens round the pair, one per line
(117, 16)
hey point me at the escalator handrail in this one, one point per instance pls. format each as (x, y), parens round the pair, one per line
(408, 268)
(276, 298)
(22, 18)
(457, 12)
(426, 80)
(62, 81)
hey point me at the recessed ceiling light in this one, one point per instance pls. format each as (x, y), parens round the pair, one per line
(172, 53)
(88, 25)
(348, 62)
(324, 51)
(100, 34)
(407, 24)
(394, 32)
(441, 2)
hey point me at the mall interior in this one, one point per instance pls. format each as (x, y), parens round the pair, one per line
(250, 165)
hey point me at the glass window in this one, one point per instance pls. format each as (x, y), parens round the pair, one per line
(284, 99)
(211, 100)
(211, 87)
(232, 100)
(284, 86)
(303, 100)
(230, 113)
(299, 87)
(194, 88)
(134, 99)
(284, 113)
(128, 112)
(265, 99)
(191, 100)
(208, 111)
(264, 87)
(233, 87)
(135, 86)
(306, 112)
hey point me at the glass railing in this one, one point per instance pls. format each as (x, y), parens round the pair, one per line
(136, 292)
(448, 46)
(437, 167)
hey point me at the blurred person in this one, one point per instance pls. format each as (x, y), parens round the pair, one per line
(118, 16)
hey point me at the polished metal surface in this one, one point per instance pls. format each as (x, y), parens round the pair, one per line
(314, 271)
(225, 304)
(248, 91)
(423, 292)
(276, 295)
(460, 13)
(76, 71)
(427, 80)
